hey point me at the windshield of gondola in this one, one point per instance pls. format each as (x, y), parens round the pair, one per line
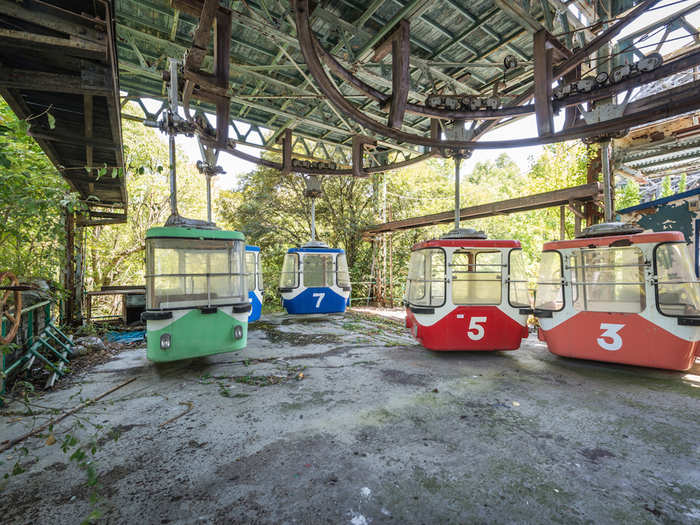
(343, 272)
(185, 273)
(678, 289)
(518, 294)
(476, 277)
(318, 269)
(426, 278)
(608, 279)
(550, 292)
(250, 269)
(289, 277)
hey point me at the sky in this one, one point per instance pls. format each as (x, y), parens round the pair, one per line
(522, 128)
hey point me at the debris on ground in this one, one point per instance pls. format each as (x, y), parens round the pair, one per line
(127, 338)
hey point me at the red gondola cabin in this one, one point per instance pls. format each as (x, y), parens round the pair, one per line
(465, 292)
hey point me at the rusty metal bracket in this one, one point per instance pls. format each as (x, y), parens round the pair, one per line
(358, 147)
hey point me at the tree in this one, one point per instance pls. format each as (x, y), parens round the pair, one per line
(32, 203)
(630, 196)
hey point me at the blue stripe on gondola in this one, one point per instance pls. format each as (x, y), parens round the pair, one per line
(315, 250)
(251, 248)
(308, 303)
(256, 307)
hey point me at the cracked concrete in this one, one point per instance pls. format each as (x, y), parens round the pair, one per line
(379, 430)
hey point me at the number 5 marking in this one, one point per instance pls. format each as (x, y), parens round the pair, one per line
(610, 338)
(320, 296)
(475, 326)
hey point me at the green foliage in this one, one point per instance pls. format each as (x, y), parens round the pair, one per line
(32, 201)
(630, 196)
(666, 190)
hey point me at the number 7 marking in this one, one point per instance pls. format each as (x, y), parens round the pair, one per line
(320, 296)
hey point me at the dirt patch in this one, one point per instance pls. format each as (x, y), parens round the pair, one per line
(595, 454)
(114, 433)
(404, 378)
(276, 336)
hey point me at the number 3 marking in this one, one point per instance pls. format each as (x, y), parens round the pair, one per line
(320, 298)
(610, 338)
(475, 326)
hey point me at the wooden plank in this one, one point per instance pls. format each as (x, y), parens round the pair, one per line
(543, 84)
(400, 74)
(585, 192)
(57, 22)
(51, 135)
(50, 82)
(70, 45)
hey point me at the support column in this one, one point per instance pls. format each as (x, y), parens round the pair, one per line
(593, 215)
(71, 311)
(608, 198)
(562, 223)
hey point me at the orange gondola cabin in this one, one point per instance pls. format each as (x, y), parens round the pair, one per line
(618, 294)
(465, 292)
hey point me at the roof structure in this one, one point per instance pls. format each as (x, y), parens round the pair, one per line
(362, 86)
(58, 70)
(467, 50)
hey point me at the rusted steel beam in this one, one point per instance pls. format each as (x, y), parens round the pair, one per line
(88, 121)
(417, 109)
(200, 40)
(56, 19)
(286, 140)
(261, 161)
(358, 148)
(400, 73)
(661, 109)
(585, 192)
(543, 84)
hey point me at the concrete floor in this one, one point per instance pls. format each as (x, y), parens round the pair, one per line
(378, 430)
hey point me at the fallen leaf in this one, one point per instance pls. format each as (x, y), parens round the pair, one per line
(50, 440)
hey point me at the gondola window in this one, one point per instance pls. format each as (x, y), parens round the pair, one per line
(194, 272)
(318, 270)
(289, 277)
(550, 291)
(343, 272)
(608, 280)
(517, 280)
(678, 288)
(476, 277)
(426, 278)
